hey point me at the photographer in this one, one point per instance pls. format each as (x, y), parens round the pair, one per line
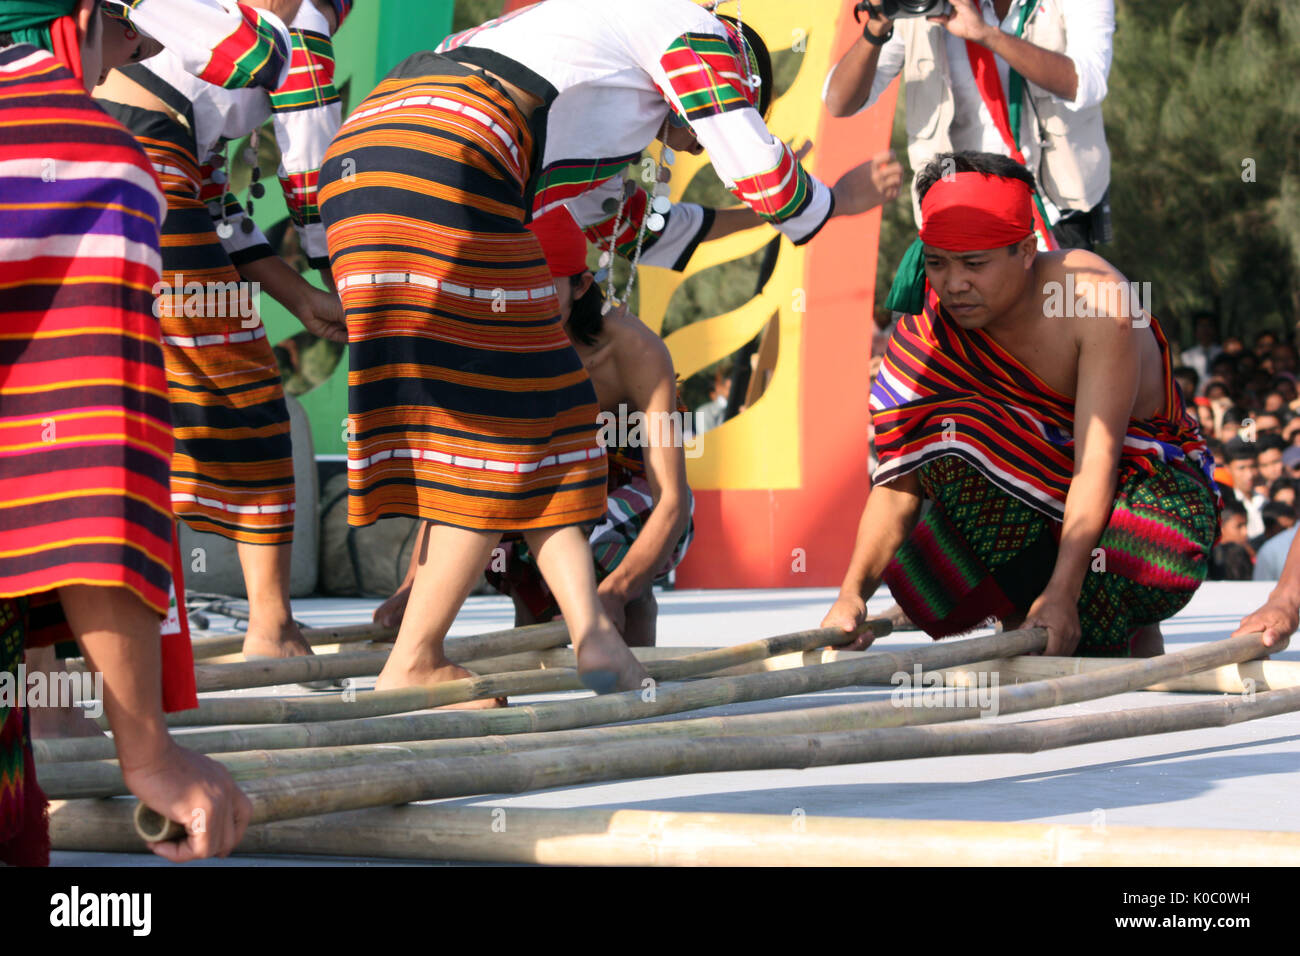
(1001, 76)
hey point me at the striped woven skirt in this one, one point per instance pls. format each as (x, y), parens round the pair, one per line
(981, 554)
(85, 429)
(468, 405)
(232, 471)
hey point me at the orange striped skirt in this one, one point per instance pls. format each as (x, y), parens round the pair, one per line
(232, 469)
(467, 404)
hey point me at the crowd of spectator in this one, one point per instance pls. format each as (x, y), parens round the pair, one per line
(1248, 404)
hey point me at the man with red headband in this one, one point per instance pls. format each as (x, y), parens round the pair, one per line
(647, 527)
(1033, 403)
(86, 435)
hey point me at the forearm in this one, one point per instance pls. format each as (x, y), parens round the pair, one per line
(280, 281)
(1087, 509)
(1054, 72)
(1287, 591)
(849, 88)
(650, 551)
(729, 221)
(890, 515)
(122, 644)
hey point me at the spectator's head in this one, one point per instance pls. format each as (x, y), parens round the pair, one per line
(1243, 465)
(1291, 461)
(1188, 381)
(1278, 517)
(1204, 415)
(1205, 328)
(1273, 401)
(1264, 342)
(1283, 491)
(1224, 368)
(1267, 423)
(1230, 561)
(1216, 390)
(1284, 359)
(1230, 424)
(1232, 345)
(1269, 459)
(1284, 385)
(1233, 522)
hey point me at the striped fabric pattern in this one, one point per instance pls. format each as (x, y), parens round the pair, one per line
(559, 182)
(980, 553)
(232, 469)
(252, 55)
(85, 430)
(228, 44)
(942, 390)
(707, 75)
(781, 193)
(311, 74)
(310, 87)
(468, 404)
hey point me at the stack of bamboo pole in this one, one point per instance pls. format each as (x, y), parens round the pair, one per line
(354, 753)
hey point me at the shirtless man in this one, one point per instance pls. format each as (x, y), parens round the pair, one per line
(1032, 401)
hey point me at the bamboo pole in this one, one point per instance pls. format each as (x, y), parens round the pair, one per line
(581, 712)
(353, 705)
(1244, 678)
(86, 779)
(220, 645)
(598, 837)
(294, 670)
(375, 784)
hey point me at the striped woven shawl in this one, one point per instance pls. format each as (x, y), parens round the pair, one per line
(943, 390)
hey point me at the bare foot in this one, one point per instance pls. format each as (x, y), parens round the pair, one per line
(606, 665)
(393, 679)
(62, 722)
(389, 614)
(1147, 642)
(285, 641)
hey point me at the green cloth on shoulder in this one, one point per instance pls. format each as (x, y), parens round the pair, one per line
(28, 21)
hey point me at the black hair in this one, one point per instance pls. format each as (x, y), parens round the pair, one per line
(1284, 482)
(760, 60)
(1230, 562)
(1231, 506)
(1270, 442)
(1186, 371)
(1273, 510)
(1234, 416)
(970, 161)
(1238, 450)
(586, 320)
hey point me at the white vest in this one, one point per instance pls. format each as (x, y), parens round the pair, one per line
(1074, 161)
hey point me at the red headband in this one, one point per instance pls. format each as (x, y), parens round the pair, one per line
(562, 241)
(966, 212)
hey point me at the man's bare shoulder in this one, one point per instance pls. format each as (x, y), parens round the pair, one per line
(639, 351)
(1080, 264)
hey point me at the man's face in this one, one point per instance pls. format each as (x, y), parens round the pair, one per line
(122, 45)
(1267, 424)
(567, 294)
(978, 287)
(1204, 332)
(1264, 344)
(1245, 474)
(1270, 465)
(1234, 529)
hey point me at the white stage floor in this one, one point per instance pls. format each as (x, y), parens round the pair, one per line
(1244, 776)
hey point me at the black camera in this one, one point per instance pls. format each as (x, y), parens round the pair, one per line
(898, 9)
